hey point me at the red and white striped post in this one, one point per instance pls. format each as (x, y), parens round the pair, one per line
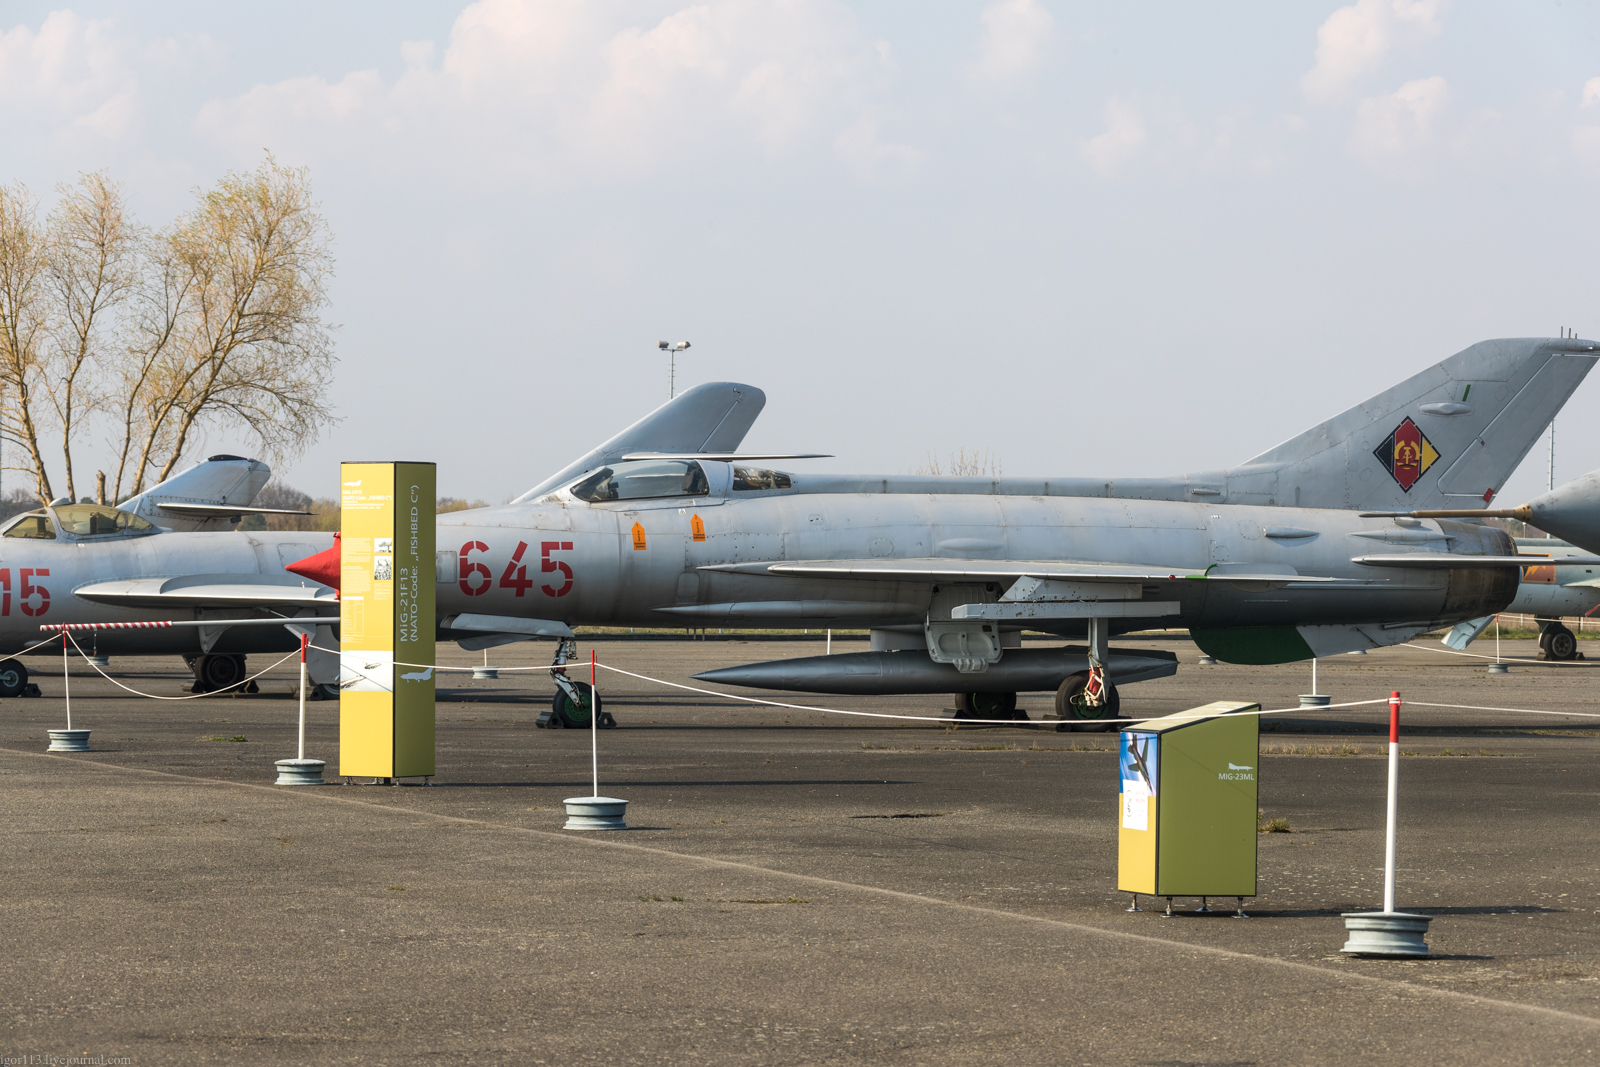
(1388, 932)
(301, 771)
(305, 639)
(1394, 793)
(595, 812)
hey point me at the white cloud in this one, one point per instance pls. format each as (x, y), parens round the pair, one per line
(1353, 41)
(1591, 92)
(564, 89)
(1015, 33)
(1123, 139)
(1402, 122)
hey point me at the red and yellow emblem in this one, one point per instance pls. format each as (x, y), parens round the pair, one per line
(1406, 454)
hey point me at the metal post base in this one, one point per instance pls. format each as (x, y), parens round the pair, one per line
(485, 673)
(68, 741)
(1386, 933)
(1207, 661)
(1315, 700)
(1135, 906)
(595, 813)
(1499, 668)
(1168, 914)
(1202, 909)
(1240, 913)
(300, 772)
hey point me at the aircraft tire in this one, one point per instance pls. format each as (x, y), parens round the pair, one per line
(324, 691)
(220, 672)
(1558, 642)
(564, 714)
(988, 706)
(13, 678)
(1076, 715)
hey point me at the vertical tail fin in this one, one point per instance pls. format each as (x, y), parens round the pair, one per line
(219, 480)
(1443, 438)
(712, 417)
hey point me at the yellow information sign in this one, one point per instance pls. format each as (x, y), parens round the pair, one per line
(386, 619)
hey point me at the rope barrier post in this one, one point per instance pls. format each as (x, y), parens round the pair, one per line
(68, 740)
(1497, 667)
(1388, 932)
(301, 771)
(1314, 699)
(1394, 792)
(595, 812)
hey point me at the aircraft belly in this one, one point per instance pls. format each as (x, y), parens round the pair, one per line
(1553, 601)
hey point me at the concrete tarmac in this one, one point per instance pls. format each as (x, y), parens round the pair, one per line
(795, 887)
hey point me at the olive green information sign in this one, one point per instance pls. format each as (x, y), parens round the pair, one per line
(386, 620)
(1188, 802)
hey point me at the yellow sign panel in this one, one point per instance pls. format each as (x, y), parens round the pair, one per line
(386, 620)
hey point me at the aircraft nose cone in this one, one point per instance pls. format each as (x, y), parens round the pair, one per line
(322, 568)
(1571, 511)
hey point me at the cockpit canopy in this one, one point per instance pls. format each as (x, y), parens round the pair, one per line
(749, 479)
(643, 480)
(79, 520)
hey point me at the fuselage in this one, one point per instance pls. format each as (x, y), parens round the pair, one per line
(638, 562)
(40, 580)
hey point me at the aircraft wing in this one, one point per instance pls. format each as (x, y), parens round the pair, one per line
(988, 570)
(209, 590)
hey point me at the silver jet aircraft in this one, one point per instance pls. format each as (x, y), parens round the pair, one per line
(164, 574)
(948, 572)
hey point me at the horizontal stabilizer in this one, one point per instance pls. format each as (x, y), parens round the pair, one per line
(1452, 561)
(1570, 512)
(222, 511)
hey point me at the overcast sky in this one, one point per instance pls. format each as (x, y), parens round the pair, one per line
(1113, 239)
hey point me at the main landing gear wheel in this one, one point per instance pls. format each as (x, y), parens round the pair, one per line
(989, 706)
(1558, 643)
(13, 678)
(1072, 707)
(220, 672)
(564, 713)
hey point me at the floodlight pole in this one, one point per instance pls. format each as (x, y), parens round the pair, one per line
(672, 351)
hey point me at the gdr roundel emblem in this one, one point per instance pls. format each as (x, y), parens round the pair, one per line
(1406, 454)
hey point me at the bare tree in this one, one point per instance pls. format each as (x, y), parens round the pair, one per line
(92, 251)
(230, 330)
(212, 324)
(24, 323)
(985, 464)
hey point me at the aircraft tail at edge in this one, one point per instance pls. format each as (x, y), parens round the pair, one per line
(1448, 437)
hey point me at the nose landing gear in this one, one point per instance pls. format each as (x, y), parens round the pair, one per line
(575, 702)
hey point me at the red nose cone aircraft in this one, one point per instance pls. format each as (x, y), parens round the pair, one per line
(322, 568)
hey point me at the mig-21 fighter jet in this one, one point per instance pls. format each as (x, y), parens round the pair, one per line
(1266, 562)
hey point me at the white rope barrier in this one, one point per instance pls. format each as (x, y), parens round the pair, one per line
(850, 712)
(158, 696)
